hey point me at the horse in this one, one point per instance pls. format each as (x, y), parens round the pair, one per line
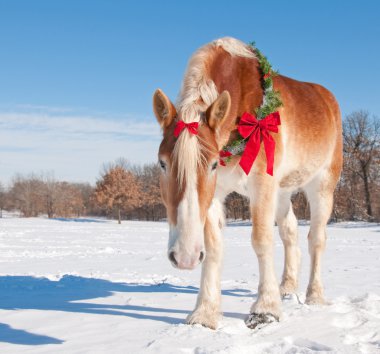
(223, 80)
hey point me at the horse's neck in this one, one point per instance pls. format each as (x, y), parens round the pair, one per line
(241, 78)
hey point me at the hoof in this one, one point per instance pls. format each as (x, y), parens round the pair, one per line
(288, 288)
(209, 320)
(315, 300)
(314, 296)
(258, 320)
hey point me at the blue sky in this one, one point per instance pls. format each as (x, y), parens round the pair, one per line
(77, 76)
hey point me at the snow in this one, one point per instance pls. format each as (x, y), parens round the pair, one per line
(93, 286)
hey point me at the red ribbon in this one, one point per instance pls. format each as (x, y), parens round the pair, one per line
(257, 131)
(181, 125)
(222, 155)
(268, 74)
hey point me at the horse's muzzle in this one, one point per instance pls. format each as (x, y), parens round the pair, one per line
(186, 262)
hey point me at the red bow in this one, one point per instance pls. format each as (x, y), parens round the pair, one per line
(223, 154)
(258, 130)
(181, 125)
(268, 74)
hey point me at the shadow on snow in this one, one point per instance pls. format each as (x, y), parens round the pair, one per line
(19, 336)
(81, 220)
(26, 292)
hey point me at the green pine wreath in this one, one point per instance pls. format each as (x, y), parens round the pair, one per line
(271, 101)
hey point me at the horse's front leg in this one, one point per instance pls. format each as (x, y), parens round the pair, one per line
(267, 306)
(207, 311)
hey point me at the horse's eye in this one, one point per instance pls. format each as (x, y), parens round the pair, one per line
(163, 165)
(214, 165)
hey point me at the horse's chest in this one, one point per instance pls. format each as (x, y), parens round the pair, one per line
(232, 180)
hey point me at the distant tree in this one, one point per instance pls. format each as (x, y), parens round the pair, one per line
(237, 206)
(300, 206)
(118, 189)
(151, 205)
(86, 191)
(2, 199)
(120, 162)
(361, 134)
(49, 193)
(68, 200)
(25, 195)
(33, 195)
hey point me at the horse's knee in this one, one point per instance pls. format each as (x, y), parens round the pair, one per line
(317, 242)
(288, 234)
(213, 227)
(261, 245)
(288, 227)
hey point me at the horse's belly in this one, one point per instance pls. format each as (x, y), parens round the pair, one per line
(295, 178)
(303, 167)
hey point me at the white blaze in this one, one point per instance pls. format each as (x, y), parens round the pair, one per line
(186, 239)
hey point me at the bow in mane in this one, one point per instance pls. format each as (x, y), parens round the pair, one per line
(181, 125)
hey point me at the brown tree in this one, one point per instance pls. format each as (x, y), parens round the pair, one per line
(149, 178)
(68, 200)
(25, 195)
(49, 193)
(2, 199)
(300, 206)
(361, 134)
(118, 189)
(237, 207)
(86, 190)
(34, 195)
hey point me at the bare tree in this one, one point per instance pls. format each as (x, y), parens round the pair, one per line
(25, 195)
(68, 200)
(86, 191)
(300, 206)
(49, 193)
(149, 179)
(33, 195)
(2, 199)
(237, 206)
(361, 134)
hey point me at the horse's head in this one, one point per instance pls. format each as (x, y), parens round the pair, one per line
(188, 173)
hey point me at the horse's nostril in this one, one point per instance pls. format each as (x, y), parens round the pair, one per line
(201, 257)
(172, 258)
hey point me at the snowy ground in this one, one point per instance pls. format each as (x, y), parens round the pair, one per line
(92, 286)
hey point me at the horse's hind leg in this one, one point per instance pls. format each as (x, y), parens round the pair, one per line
(320, 195)
(287, 225)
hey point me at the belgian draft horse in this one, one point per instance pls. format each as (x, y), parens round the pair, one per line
(222, 81)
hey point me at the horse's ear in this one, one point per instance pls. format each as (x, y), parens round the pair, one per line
(163, 109)
(219, 110)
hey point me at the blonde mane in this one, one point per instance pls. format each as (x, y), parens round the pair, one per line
(197, 93)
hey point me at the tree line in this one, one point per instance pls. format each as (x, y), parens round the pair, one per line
(122, 191)
(125, 191)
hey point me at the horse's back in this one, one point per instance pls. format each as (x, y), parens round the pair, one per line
(311, 131)
(311, 103)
